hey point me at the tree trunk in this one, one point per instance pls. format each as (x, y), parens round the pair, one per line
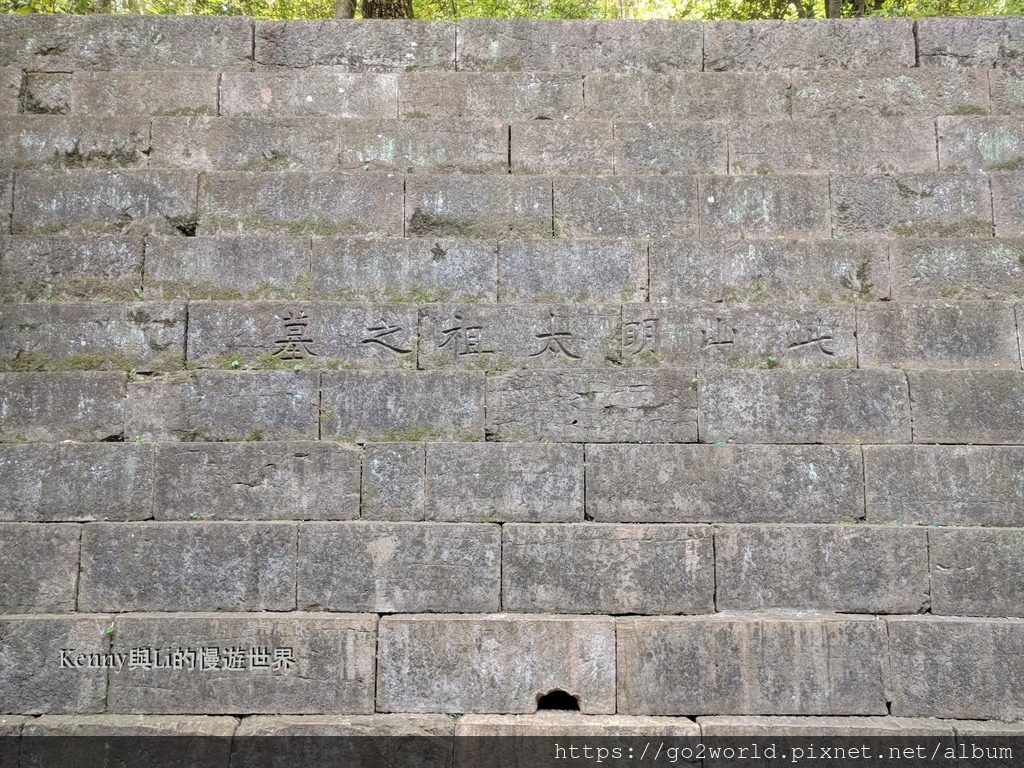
(833, 9)
(344, 9)
(387, 9)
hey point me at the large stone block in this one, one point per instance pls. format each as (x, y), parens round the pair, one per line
(393, 482)
(804, 407)
(706, 483)
(547, 45)
(400, 406)
(227, 267)
(847, 568)
(980, 144)
(816, 727)
(53, 664)
(945, 485)
(38, 567)
(308, 93)
(141, 336)
(45, 141)
(494, 663)
(419, 270)
(225, 405)
(629, 206)
(117, 41)
(364, 45)
(188, 566)
(46, 93)
(1007, 87)
(179, 93)
(749, 664)
(739, 336)
(890, 93)
(775, 206)
(956, 667)
(911, 205)
(504, 96)
(84, 406)
(965, 268)
(967, 406)
(399, 567)
(45, 268)
(11, 80)
(272, 334)
(572, 270)
(937, 335)
(970, 42)
(562, 147)
(424, 146)
(1008, 203)
(294, 663)
(495, 207)
(76, 482)
(105, 202)
(670, 146)
(530, 483)
(595, 568)
(592, 406)
(327, 203)
(972, 571)
(808, 44)
(257, 481)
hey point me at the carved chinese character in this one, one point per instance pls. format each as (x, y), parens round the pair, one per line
(811, 335)
(464, 339)
(721, 334)
(555, 340)
(379, 335)
(296, 344)
(640, 335)
(284, 658)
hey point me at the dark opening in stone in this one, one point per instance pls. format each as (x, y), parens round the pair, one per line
(557, 699)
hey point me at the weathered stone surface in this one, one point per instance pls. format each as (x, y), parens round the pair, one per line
(937, 335)
(477, 207)
(257, 481)
(44, 268)
(43, 141)
(142, 336)
(84, 406)
(117, 41)
(365, 45)
(188, 566)
(957, 268)
(331, 670)
(550, 723)
(739, 336)
(179, 93)
(38, 567)
(10, 738)
(494, 663)
(854, 145)
(563, 147)
(746, 664)
(980, 144)
(579, 46)
(971, 571)
(706, 483)
(956, 668)
(592, 406)
(572, 270)
(424, 146)
(327, 203)
(350, 725)
(505, 96)
(272, 334)
(420, 270)
(691, 96)
(967, 406)
(6, 201)
(225, 405)
(393, 481)
(1007, 87)
(945, 485)
(911, 205)
(776, 206)
(76, 482)
(227, 267)
(970, 42)
(1008, 203)
(487, 482)
(46, 93)
(399, 567)
(595, 568)
(890, 93)
(847, 568)
(10, 90)
(629, 206)
(112, 202)
(32, 680)
(505, 337)
(670, 146)
(808, 44)
(804, 407)
(309, 93)
(132, 725)
(811, 727)
(401, 406)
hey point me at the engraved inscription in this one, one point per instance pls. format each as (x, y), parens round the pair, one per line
(378, 334)
(465, 340)
(554, 340)
(296, 343)
(720, 334)
(640, 335)
(810, 335)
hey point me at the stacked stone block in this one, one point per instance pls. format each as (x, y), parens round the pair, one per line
(370, 373)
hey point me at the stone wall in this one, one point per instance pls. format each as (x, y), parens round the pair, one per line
(359, 374)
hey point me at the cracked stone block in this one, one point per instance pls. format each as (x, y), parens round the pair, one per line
(971, 42)
(308, 93)
(970, 570)
(84, 406)
(39, 567)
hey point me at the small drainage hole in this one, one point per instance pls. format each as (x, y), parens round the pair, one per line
(558, 700)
